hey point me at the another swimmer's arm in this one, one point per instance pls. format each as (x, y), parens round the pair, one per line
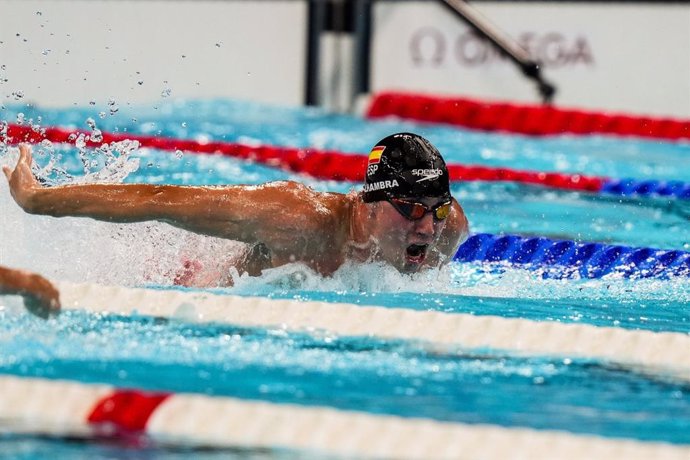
(454, 233)
(40, 296)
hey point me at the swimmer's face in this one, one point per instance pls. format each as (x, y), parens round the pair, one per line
(402, 242)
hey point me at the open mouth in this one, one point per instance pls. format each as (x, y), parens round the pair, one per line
(416, 252)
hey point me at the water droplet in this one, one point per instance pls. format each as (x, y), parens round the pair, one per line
(217, 45)
(91, 123)
(45, 52)
(113, 106)
(134, 120)
(92, 102)
(184, 124)
(97, 135)
(80, 143)
(18, 94)
(45, 143)
(20, 118)
(101, 115)
(166, 92)
(179, 154)
(38, 13)
(183, 56)
(140, 82)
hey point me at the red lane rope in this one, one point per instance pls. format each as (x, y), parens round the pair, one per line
(522, 118)
(127, 410)
(321, 164)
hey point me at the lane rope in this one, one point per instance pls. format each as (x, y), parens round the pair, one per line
(64, 408)
(333, 165)
(570, 259)
(535, 120)
(662, 352)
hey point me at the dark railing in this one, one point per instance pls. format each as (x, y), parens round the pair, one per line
(507, 46)
(358, 20)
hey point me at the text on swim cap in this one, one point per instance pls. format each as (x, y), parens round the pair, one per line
(384, 184)
(427, 174)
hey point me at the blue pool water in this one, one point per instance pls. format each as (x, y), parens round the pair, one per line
(355, 373)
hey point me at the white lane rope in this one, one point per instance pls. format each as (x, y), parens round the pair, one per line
(61, 408)
(662, 352)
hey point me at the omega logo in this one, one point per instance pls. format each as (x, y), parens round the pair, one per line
(430, 47)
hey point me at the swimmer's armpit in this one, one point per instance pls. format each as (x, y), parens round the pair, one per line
(258, 259)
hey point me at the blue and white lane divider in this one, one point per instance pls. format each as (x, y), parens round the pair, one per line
(570, 259)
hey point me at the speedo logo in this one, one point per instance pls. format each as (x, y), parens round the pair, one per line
(384, 184)
(427, 174)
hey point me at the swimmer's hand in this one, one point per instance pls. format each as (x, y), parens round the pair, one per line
(40, 297)
(23, 183)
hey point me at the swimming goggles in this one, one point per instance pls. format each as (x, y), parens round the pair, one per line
(415, 211)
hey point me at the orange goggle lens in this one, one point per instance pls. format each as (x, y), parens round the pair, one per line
(415, 211)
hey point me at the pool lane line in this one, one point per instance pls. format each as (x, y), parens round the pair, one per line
(662, 353)
(333, 165)
(521, 118)
(570, 259)
(71, 409)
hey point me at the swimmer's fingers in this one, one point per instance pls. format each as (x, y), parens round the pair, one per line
(21, 179)
(24, 155)
(42, 299)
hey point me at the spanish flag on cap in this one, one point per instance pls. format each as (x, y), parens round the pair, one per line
(375, 154)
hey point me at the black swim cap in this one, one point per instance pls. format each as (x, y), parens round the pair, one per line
(405, 165)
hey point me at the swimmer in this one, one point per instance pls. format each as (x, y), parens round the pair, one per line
(40, 297)
(404, 216)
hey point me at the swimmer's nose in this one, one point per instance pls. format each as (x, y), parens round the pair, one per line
(424, 227)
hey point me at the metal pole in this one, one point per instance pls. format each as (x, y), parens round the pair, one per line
(362, 54)
(505, 44)
(316, 14)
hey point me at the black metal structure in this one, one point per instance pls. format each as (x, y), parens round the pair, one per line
(316, 21)
(504, 44)
(359, 20)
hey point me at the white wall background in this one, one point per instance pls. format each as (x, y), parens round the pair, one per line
(619, 57)
(59, 52)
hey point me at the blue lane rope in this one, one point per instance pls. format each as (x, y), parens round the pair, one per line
(569, 259)
(634, 187)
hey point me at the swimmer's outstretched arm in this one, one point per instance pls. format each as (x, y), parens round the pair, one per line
(279, 214)
(40, 296)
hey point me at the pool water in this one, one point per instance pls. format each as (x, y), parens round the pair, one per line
(402, 378)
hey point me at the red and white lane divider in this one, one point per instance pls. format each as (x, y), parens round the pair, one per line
(535, 120)
(62, 408)
(320, 164)
(663, 353)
